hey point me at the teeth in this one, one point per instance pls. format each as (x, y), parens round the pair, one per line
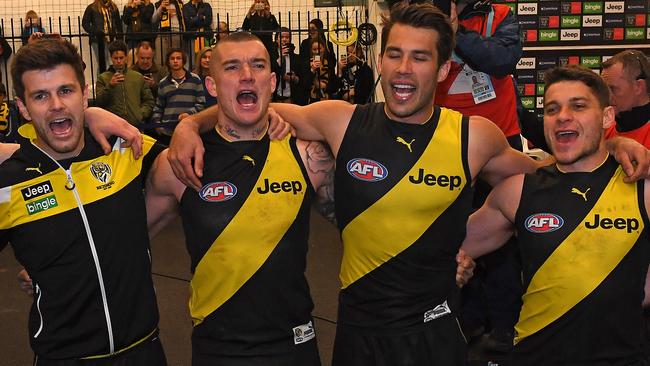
(565, 133)
(59, 120)
(403, 86)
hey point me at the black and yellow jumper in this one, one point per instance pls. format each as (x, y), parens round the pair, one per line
(79, 227)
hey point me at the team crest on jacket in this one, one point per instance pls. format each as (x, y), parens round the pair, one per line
(101, 171)
(543, 223)
(218, 191)
(367, 170)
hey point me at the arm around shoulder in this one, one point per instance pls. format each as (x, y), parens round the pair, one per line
(162, 194)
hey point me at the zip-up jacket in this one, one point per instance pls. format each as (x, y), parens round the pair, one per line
(131, 99)
(79, 228)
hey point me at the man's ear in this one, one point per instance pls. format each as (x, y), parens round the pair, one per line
(86, 91)
(274, 82)
(23, 109)
(443, 71)
(211, 85)
(609, 117)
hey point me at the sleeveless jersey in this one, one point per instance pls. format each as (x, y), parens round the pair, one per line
(585, 256)
(246, 232)
(402, 200)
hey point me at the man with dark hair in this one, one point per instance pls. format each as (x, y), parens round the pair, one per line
(147, 66)
(180, 94)
(123, 91)
(626, 74)
(403, 191)
(582, 234)
(61, 203)
(291, 71)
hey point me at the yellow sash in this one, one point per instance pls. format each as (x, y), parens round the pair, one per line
(250, 237)
(582, 261)
(405, 212)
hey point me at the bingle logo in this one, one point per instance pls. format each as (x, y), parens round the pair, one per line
(527, 9)
(218, 191)
(614, 6)
(367, 170)
(570, 35)
(526, 63)
(592, 20)
(543, 223)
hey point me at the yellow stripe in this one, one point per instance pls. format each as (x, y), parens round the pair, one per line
(582, 261)
(403, 214)
(124, 169)
(250, 237)
(135, 344)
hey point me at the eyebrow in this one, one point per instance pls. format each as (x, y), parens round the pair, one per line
(417, 51)
(238, 61)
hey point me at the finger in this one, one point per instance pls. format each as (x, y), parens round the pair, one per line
(106, 147)
(198, 164)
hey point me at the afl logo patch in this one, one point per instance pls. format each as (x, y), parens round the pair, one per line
(218, 191)
(367, 170)
(543, 223)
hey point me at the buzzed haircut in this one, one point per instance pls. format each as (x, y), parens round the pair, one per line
(636, 65)
(117, 45)
(240, 37)
(45, 54)
(421, 15)
(582, 74)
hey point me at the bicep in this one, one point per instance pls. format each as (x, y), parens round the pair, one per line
(320, 165)
(160, 198)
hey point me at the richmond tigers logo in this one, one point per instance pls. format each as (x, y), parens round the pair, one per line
(101, 171)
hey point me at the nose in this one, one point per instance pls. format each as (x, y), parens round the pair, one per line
(56, 103)
(404, 66)
(246, 73)
(565, 114)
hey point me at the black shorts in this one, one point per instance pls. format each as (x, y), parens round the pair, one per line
(149, 353)
(305, 354)
(439, 342)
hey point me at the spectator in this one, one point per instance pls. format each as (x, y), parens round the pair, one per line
(31, 25)
(222, 31)
(123, 91)
(101, 20)
(292, 74)
(316, 31)
(262, 23)
(137, 16)
(321, 72)
(146, 66)
(356, 77)
(9, 118)
(168, 18)
(198, 18)
(180, 94)
(202, 69)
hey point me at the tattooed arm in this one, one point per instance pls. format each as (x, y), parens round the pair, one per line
(320, 164)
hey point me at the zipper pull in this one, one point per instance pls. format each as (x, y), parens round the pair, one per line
(70, 185)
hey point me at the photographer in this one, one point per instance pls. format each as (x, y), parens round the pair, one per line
(292, 72)
(262, 23)
(355, 76)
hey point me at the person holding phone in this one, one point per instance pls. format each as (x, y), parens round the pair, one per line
(292, 72)
(355, 76)
(321, 72)
(262, 23)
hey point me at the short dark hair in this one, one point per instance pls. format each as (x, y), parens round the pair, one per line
(280, 31)
(318, 23)
(238, 37)
(635, 65)
(175, 50)
(421, 15)
(117, 45)
(581, 74)
(45, 54)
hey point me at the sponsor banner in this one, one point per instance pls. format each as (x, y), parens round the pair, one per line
(592, 35)
(570, 35)
(525, 77)
(529, 89)
(635, 20)
(546, 62)
(569, 60)
(541, 75)
(513, 7)
(571, 21)
(526, 8)
(647, 33)
(571, 7)
(613, 34)
(605, 58)
(592, 62)
(634, 33)
(520, 89)
(529, 35)
(635, 6)
(592, 21)
(547, 35)
(592, 7)
(614, 7)
(549, 8)
(614, 20)
(528, 22)
(528, 102)
(526, 63)
(552, 21)
(539, 102)
(540, 89)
